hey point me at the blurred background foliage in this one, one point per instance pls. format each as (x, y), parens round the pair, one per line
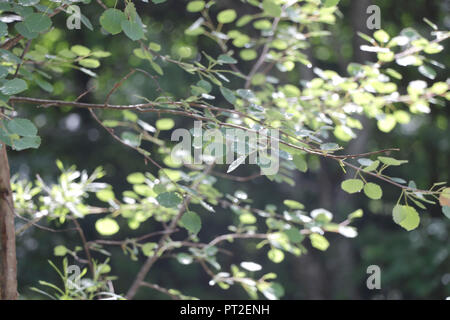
(414, 264)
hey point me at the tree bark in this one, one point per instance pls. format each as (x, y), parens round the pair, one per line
(8, 263)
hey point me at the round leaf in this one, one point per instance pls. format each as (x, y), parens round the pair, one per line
(406, 216)
(38, 22)
(107, 226)
(22, 127)
(373, 191)
(168, 199)
(111, 20)
(226, 16)
(105, 195)
(319, 242)
(165, 124)
(195, 6)
(132, 29)
(276, 255)
(352, 185)
(13, 86)
(192, 222)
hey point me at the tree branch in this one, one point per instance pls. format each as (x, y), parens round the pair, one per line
(8, 263)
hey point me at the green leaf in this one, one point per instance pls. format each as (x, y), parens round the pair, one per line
(148, 249)
(444, 197)
(85, 20)
(228, 95)
(373, 191)
(80, 50)
(13, 86)
(437, 88)
(156, 67)
(352, 185)
(5, 137)
(223, 58)
(132, 30)
(402, 116)
(27, 143)
(111, 20)
(246, 94)
(393, 73)
(165, 124)
(59, 251)
(131, 139)
(381, 36)
(262, 24)
(107, 226)
(294, 235)
(3, 72)
(154, 46)
(329, 146)
(27, 3)
(22, 127)
(195, 6)
(227, 16)
(184, 258)
(244, 20)
(89, 63)
(446, 211)
(427, 71)
(248, 54)
(205, 85)
(331, 3)
(271, 8)
(45, 85)
(158, 1)
(321, 215)
(130, 11)
(38, 22)
(300, 163)
(273, 292)
(247, 218)
(319, 242)
(387, 123)
(276, 255)
(356, 214)
(136, 178)
(184, 51)
(105, 195)
(406, 216)
(372, 166)
(391, 161)
(292, 204)
(3, 29)
(168, 199)
(191, 221)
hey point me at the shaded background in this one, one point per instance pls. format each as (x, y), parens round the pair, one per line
(413, 265)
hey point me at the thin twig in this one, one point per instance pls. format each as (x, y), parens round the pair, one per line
(158, 251)
(160, 289)
(138, 239)
(24, 52)
(118, 84)
(262, 57)
(85, 245)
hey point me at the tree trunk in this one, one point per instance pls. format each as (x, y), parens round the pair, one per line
(8, 263)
